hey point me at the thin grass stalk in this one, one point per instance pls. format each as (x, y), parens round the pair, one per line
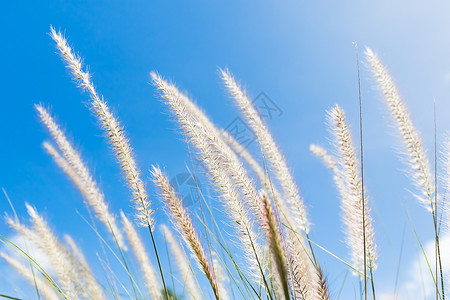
(361, 158)
(436, 215)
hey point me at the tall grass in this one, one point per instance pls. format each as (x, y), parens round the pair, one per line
(269, 251)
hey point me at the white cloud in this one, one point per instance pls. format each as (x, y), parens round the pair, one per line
(419, 283)
(31, 250)
(446, 77)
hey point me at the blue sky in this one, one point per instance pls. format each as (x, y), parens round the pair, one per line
(300, 54)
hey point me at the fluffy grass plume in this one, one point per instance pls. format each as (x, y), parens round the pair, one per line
(182, 263)
(323, 292)
(274, 238)
(359, 229)
(414, 150)
(301, 268)
(248, 158)
(48, 242)
(183, 222)
(140, 253)
(74, 276)
(79, 173)
(117, 138)
(83, 269)
(63, 164)
(415, 153)
(111, 125)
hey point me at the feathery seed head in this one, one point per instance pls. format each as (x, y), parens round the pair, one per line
(43, 236)
(76, 169)
(182, 263)
(113, 130)
(273, 235)
(349, 182)
(415, 153)
(291, 194)
(322, 153)
(140, 253)
(184, 225)
(43, 285)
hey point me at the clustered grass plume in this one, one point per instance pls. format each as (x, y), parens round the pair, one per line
(269, 253)
(212, 156)
(289, 204)
(75, 279)
(270, 148)
(323, 292)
